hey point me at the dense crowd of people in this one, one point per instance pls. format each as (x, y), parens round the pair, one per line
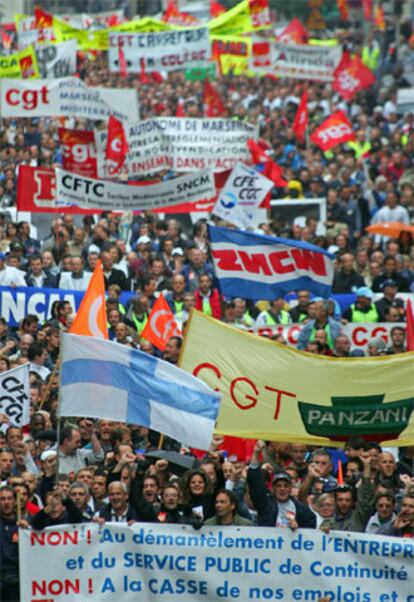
(103, 471)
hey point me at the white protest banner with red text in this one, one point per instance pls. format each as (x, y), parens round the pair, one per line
(68, 96)
(180, 144)
(297, 61)
(78, 151)
(360, 335)
(160, 51)
(351, 76)
(335, 130)
(91, 193)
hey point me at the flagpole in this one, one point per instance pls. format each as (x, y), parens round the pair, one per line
(49, 385)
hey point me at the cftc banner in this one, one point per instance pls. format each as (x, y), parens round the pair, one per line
(156, 563)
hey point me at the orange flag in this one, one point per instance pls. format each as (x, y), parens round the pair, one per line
(91, 317)
(161, 325)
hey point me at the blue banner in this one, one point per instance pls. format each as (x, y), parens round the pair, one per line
(16, 303)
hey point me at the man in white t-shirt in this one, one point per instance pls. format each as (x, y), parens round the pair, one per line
(10, 276)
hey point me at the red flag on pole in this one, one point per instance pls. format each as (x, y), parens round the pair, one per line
(257, 152)
(351, 76)
(213, 105)
(117, 143)
(122, 61)
(367, 7)
(300, 123)
(216, 8)
(180, 109)
(161, 325)
(410, 325)
(335, 130)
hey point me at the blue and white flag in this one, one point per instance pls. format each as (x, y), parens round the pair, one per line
(103, 379)
(258, 267)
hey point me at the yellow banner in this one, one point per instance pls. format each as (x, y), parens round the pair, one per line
(235, 21)
(87, 40)
(274, 392)
(233, 53)
(19, 65)
(144, 25)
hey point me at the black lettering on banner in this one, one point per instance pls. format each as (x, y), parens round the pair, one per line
(12, 399)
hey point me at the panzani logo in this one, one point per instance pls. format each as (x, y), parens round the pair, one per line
(364, 416)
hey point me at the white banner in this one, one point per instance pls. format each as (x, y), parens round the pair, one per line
(66, 96)
(56, 60)
(15, 395)
(181, 144)
(160, 51)
(298, 61)
(90, 193)
(27, 33)
(243, 192)
(153, 562)
(360, 335)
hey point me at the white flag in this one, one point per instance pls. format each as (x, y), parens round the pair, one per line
(14, 395)
(241, 196)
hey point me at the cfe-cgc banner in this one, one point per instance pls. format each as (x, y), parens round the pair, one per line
(57, 60)
(91, 193)
(159, 51)
(181, 144)
(155, 563)
(15, 395)
(296, 61)
(68, 96)
(273, 392)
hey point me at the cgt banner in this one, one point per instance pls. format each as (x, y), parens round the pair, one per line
(57, 60)
(181, 144)
(15, 395)
(155, 563)
(90, 193)
(273, 392)
(159, 51)
(297, 61)
(68, 96)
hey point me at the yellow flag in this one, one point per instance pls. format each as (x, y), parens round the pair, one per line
(273, 392)
(19, 65)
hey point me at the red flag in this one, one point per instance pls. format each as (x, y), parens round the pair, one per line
(294, 33)
(213, 105)
(174, 16)
(43, 19)
(410, 325)
(161, 324)
(257, 151)
(300, 123)
(6, 40)
(343, 9)
(180, 109)
(340, 473)
(367, 7)
(143, 77)
(351, 76)
(117, 143)
(274, 173)
(335, 130)
(122, 61)
(216, 8)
